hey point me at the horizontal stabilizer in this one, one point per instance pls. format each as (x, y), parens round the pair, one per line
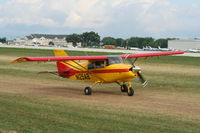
(47, 72)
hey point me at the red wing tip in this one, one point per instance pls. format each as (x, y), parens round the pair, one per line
(19, 60)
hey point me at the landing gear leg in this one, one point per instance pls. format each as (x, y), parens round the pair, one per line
(123, 87)
(88, 89)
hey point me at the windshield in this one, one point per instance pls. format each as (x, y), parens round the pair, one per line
(114, 60)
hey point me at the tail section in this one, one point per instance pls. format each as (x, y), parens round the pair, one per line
(67, 69)
(63, 68)
(60, 53)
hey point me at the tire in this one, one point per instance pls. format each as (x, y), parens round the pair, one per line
(124, 88)
(130, 92)
(88, 91)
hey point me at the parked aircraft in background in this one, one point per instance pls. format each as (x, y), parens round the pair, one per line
(164, 49)
(149, 48)
(193, 50)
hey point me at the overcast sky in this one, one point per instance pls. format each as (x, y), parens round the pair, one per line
(116, 18)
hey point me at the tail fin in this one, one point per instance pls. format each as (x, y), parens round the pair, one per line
(60, 53)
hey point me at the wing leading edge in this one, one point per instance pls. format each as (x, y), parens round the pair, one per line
(25, 59)
(151, 54)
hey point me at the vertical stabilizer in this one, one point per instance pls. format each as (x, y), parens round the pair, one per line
(63, 69)
(60, 53)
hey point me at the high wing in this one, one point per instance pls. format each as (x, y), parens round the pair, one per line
(68, 58)
(151, 54)
(25, 59)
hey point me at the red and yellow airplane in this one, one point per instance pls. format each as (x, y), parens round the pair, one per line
(98, 69)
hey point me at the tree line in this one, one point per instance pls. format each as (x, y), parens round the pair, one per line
(3, 40)
(92, 39)
(87, 39)
(138, 42)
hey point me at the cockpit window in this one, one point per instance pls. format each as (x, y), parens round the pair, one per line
(99, 64)
(114, 60)
(96, 64)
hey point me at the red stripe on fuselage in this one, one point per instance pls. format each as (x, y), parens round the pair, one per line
(73, 72)
(110, 71)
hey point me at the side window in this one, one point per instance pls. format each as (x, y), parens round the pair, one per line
(91, 66)
(96, 64)
(99, 64)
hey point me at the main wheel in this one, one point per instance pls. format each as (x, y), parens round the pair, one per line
(130, 91)
(124, 88)
(88, 91)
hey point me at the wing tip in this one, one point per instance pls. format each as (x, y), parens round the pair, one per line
(19, 60)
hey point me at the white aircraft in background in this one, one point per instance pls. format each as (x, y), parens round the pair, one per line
(134, 48)
(193, 50)
(149, 48)
(164, 49)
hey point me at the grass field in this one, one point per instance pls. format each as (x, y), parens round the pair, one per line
(40, 103)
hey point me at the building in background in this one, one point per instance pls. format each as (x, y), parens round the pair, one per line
(44, 40)
(184, 44)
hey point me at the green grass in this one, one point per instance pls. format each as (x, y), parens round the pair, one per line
(57, 111)
(28, 114)
(182, 80)
(42, 52)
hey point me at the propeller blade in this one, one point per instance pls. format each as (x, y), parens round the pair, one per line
(143, 81)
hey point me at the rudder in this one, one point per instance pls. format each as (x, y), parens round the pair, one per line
(60, 53)
(61, 66)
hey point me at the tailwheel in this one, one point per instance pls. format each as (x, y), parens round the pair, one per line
(88, 91)
(124, 88)
(130, 91)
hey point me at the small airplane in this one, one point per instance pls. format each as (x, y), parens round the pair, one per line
(149, 48)
(193, 50)
(164, 49)
(98, 69)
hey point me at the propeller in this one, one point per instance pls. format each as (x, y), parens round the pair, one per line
(138, 71)
(143, 81)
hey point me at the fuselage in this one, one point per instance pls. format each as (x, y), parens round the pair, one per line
(106, 74)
